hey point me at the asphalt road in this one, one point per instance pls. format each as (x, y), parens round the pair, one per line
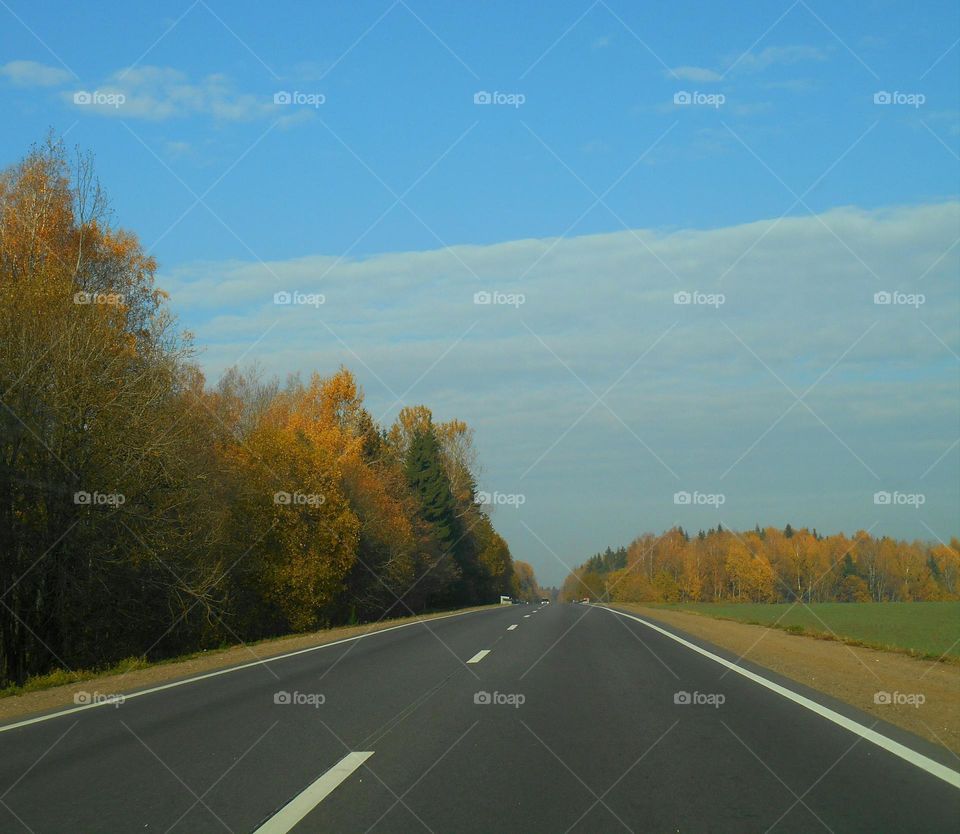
(570, 722)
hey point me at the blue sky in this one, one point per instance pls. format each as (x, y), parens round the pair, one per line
(789, 185)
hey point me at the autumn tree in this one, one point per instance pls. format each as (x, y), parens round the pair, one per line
(144, 513)
(107, 531)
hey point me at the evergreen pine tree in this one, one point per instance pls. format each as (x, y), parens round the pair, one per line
(429, 482)
(849, 568)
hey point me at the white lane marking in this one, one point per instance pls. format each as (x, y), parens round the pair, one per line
(526, 616)
(303, 803)
(932, 767)
(185, 681)
(511, 628)
(479, 656)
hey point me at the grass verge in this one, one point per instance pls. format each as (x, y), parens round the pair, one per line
(868, 678)
(926, 630)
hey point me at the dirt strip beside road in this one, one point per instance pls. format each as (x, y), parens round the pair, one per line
(849, 673)
(30, 703)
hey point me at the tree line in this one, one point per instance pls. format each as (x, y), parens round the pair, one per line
(768, 565)
(145, 513)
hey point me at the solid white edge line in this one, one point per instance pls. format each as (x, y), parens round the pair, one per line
(185, 681)
(951, 777)
(511, 628)
(303, 803)
(479, 656)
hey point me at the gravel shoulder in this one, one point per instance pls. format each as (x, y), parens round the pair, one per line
(850, 673)
(45, 700)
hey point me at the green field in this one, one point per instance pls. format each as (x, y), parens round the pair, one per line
(928, 629)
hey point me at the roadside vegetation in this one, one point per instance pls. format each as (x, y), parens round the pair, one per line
(769, 565)
(929, 631)
(203, 660)
(146, 514)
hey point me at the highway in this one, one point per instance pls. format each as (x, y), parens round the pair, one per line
(525, 718)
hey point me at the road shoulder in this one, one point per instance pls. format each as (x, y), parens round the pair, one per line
(70, 695)
(851, 674)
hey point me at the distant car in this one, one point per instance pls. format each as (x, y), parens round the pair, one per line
(544, 602)
(585, 600)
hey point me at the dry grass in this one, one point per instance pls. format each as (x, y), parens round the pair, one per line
(850, 673)
(58, 688)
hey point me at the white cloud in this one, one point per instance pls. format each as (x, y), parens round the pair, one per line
(792, 85)
(779, 55)
(160, 93)
(750, 62)
(699, 397)
(33, 74)
(699, 74)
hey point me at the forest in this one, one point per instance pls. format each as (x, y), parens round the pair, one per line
(145, 513)
(768, 565)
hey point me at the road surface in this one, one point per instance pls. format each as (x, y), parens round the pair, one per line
(521, 718)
